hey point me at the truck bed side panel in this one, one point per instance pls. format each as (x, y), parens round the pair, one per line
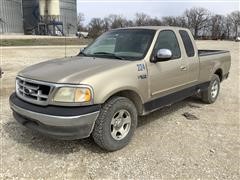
(210, 62)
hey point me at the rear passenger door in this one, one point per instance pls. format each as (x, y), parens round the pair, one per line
(168, 76)
(191, 55)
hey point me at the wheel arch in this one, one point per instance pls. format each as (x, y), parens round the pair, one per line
(131, 95)
(219, 73)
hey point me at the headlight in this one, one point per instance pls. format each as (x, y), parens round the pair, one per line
(73, 95)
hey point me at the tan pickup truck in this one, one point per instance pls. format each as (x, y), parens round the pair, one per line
(123, 74)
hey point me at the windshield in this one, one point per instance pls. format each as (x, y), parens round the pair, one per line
(125, 44)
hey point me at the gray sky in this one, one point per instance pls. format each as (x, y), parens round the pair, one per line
(154, 8)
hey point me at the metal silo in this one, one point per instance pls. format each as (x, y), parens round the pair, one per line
(50, 17)
(11, 17)
(68, 15)
(58, 15)
(49, 9)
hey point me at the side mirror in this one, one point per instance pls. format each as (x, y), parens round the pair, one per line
(82, 49)
(162, 55)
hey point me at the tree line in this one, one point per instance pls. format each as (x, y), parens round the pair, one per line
(202, 23)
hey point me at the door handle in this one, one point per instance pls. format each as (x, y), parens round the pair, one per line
(183, 68)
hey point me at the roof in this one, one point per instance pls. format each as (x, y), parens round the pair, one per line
(155, 27)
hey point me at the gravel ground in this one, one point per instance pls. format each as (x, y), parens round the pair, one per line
(166, 145)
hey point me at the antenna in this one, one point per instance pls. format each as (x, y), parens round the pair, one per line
(65, 45)
(65, 38)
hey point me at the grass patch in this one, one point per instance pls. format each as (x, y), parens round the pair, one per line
(44, 42)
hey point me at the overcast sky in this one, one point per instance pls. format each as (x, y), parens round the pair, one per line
(155, 8)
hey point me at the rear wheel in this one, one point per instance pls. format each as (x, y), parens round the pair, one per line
(210, 95)
(116, 123)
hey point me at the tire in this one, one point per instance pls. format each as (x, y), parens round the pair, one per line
(113, 119)
(210, 95)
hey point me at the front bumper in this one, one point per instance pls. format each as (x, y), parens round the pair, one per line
(66, 123)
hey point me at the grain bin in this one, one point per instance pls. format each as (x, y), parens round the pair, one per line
(49, 8)
(46, 17)
(58, 15)
(11, 16)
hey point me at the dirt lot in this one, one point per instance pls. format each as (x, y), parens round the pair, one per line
(166, 145)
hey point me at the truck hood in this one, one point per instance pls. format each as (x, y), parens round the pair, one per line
(70, 70)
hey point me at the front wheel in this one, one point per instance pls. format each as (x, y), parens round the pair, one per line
(116, 124)
(210, 95)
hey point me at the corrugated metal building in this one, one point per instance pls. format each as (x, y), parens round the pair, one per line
(30, 15)
(11, 19)
(68, 15)
(26, 16)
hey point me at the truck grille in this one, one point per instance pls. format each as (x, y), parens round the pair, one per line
(33, 91)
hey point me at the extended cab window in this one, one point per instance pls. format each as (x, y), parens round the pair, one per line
(187, 43)
(168, 40)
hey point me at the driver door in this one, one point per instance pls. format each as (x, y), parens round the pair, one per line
(167, 77)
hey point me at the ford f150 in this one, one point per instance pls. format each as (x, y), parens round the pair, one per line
(123, 74)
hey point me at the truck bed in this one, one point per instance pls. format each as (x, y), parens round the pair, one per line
(212, 59)
(205, 52)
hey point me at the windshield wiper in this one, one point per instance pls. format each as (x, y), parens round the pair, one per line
(109, 54)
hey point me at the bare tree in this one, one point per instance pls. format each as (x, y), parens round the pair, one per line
(142, 19)
(154, 22)
(117, 21)
(114, 21)
(129, 23)
(106, 24)
(197, 19)
(228, 26)
(174, 21)
(96, 27)
(168, 21)
(80, 20)
(217, 27)
(181, 21)
(235, 18)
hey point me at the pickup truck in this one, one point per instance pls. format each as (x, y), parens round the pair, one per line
(82, 34)
(123, 74)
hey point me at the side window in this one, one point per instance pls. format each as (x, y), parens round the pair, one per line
(187, 43)
(168, 40)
